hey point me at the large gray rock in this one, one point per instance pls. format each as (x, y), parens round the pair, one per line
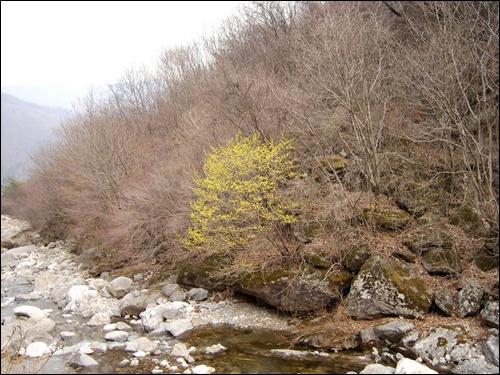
(135, 302)
(24, 332)
(461, 352)
(178, 295)
(179, 350)
(490, 349)
(99, 319)
(76, 292)
(387, 216)
(393, 331)
(119, 336)
(469, 299)
(206, 274)
(386, 286)
(120, 286)
(487, 257)
(173, 310)
(178, 327)
(151, 318)
(215, 349)
(444, 300)
(475, 366)
(37, 349)
(31, 312)
(437, 344)
(490, 313)
(11, 257)
(353, 258)
(368, 338)
(432, 235)
(83, 360)
(170, 289)
(91, 302)
(290, 290)
(203, 369)
(45, 281)
(409, 366)
(197, 294)
(141, 343)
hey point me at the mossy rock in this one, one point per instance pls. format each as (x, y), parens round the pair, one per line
(442, 262)
(404, 255)
(388, 218)
(292, 289)
(353, 258)
(386, 286)
(487, 257)
(206, 274)
(310, 228)
(328, 166)
(318, 259)
(469, 220)
(426, 237)
(430, 218)
(334, 163)
(412, 199)
(340, 282)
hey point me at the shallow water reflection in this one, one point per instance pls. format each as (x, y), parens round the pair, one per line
(249, 353)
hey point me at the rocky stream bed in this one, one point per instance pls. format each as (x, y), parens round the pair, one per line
(58, 319)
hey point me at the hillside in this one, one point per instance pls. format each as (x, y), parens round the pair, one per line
(25, 127)
(331, 158)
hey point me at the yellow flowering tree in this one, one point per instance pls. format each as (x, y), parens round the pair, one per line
(236, 198)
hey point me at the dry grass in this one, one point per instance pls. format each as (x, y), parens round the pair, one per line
(122, 170)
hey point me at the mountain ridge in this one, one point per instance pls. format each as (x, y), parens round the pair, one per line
(25, 126)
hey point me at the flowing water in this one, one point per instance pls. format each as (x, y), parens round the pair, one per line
(248, 350)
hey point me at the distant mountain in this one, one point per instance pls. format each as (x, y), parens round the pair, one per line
(48, 95)
(25, 127)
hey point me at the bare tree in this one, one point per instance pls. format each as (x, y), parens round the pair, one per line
(344, 60)
(449, 70)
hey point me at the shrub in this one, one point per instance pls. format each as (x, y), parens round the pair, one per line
(238, 196)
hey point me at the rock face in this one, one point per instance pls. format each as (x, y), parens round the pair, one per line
(387, 287)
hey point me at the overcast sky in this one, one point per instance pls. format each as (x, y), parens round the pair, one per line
(93, 43)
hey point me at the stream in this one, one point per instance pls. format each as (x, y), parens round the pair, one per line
(248, 350)
(253, 337)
